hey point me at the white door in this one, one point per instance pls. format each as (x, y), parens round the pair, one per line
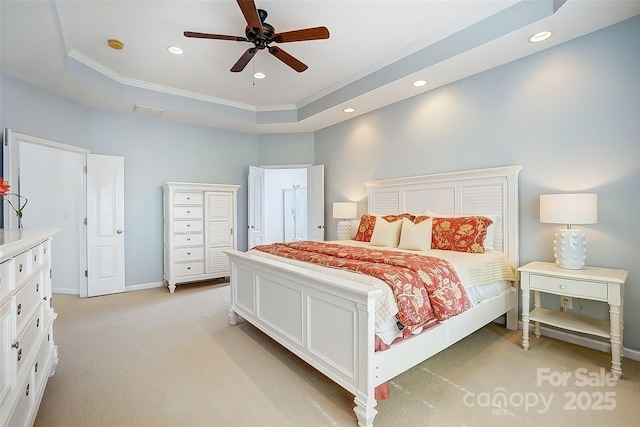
(105, 224)
(256, 213)
(315, 203)
(256, 204)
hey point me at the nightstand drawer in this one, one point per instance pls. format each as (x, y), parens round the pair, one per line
(569, 287)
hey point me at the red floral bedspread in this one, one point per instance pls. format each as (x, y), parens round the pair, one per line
(423, 286)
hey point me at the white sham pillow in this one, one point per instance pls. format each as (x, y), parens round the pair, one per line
(416, 237)
(386, 233)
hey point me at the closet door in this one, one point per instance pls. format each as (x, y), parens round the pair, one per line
(219, 232)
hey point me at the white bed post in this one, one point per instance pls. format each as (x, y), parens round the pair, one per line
(365, 384)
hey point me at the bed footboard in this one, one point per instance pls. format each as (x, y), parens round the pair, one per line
(326, 321)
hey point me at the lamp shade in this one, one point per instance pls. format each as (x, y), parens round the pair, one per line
(345, 210)
(576, 208)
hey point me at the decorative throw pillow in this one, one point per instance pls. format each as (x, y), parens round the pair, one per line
(416, 237)
(365, 229)
(489, 240)
(462, 233)
(386, 233)
(368, 222)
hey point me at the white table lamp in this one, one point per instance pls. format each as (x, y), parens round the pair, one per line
(345, 211)
(569, 246)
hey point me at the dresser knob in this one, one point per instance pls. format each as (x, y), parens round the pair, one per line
(37, 287)
(36, 368)
(188, 211)
(16, 344)
(188, 253)
(27, 394)
(20, 268)
(188, 268)
(38, 323)
(19, 354)
(19, 309)
(35, 258)
(188, 225)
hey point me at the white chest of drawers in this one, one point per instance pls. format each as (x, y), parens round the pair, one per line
(200, 222)
(28, 355)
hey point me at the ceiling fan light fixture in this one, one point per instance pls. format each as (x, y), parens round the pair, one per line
(539, 37)
(349, 110)
(259, 75)
(419, 83)
(175, 50)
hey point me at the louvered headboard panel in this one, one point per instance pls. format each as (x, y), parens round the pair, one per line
(491, 192)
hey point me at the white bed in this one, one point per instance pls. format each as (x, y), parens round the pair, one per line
(329, 321)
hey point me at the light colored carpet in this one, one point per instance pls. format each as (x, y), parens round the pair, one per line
(150, 358)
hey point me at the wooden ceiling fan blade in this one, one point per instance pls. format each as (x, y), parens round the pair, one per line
(250, 12)
(287, 59)
(196, 35)
(315, 33)
(244, 60)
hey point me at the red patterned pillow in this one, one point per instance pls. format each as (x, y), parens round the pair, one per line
(368, 222)
(462, 234)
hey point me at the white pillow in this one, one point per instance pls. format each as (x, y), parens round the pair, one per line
(416, 237)
(386, 233)
(489, 240)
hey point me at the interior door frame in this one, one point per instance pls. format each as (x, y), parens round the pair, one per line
(11, 172)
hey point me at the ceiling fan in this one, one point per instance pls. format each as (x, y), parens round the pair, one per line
(261, 34)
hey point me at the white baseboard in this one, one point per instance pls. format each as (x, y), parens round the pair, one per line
(142, 286)
(580, 340)
(64, 291)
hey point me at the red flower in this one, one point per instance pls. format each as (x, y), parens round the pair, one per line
(4, 187)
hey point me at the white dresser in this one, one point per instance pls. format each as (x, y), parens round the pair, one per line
(28, 355)
(200, 222)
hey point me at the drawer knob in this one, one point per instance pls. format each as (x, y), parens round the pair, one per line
(37, 287)
(36, 368)
(563, 286)
(20, 268)
(188, 239)
(188, 225)
(27, 394)
(38, 323)
(188, 253)
(19, 309)
(188, 211)
(16, 344)
(19, 354)
(188, 268)
(35, 258)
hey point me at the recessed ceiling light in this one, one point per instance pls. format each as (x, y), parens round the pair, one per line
(175, 50)
(259, 75)
(349, 110)
(538, 37)
(419, 83)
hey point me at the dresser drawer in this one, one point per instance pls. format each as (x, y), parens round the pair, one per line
(24, 406)
(188, 212)
(569, 287)
(188, 254)
(189, 268)
(187, 226)
(188, 239)
(28, 300)
(41, 365)
(188, 198)
(29, 342)
(22, 267)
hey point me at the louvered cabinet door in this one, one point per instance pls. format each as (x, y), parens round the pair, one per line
(219, 232)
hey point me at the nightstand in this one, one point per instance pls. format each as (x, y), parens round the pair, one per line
(592, 283)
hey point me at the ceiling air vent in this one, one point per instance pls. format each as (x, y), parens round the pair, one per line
(147, 111)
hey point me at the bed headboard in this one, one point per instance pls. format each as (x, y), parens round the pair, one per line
(492, 191)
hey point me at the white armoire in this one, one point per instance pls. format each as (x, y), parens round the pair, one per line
(200, 222)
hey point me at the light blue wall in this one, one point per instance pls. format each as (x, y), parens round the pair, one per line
(155, 151)
(570, 115)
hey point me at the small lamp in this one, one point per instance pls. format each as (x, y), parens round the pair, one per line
(569, 247)
(345, 211)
